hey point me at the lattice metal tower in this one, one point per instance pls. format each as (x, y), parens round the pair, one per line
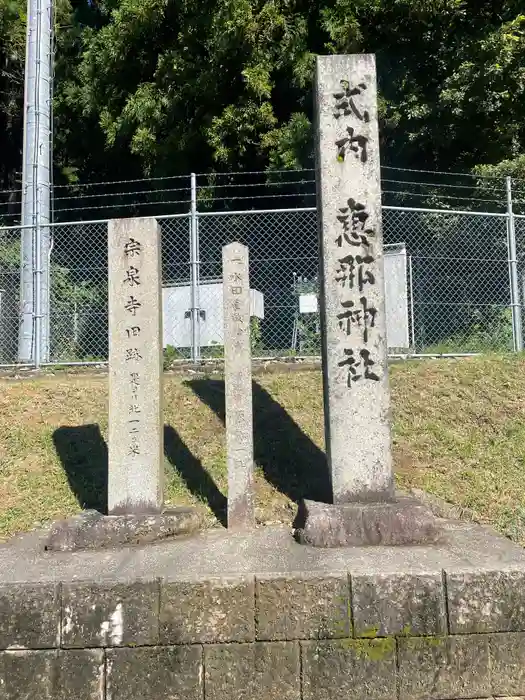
(33, 344)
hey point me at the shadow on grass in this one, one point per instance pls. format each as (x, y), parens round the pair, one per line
(194, 475)
(289, 459)
(84, 456)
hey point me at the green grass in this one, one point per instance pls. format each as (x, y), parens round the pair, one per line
(459, 433)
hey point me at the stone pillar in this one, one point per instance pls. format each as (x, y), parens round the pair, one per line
(135, 447)
(238, 381)
(357, 399)
(365, 510)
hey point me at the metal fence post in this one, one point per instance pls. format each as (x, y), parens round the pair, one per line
(513, 272)
(38, 295)
(412, 325)
(194, 264)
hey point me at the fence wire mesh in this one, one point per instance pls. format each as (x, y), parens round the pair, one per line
(282, 247)
(447, 284)
(459, 282)
(519, 226)
(9, 293)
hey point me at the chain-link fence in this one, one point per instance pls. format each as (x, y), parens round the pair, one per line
(519, 238)
(460, 295)
(449, 284)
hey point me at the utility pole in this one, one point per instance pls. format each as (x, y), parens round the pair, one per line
(33, 341)
(513, 271)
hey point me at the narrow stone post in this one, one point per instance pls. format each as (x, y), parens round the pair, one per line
(238, 383)
(135, 479)
(357, 398)
(355, 371)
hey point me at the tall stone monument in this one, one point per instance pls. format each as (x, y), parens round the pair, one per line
(238, 381)
(135, 367)
(355, 363)
(355, 370)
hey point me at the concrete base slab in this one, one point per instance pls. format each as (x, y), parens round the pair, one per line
(404, 521)
(92, 530)
(218, 552)
(222, 616)
(226, 616)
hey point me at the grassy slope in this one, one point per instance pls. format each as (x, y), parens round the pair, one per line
(459, 433)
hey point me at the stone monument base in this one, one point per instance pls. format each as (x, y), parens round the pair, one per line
(404, 521)
(257, 616)
(92, 530)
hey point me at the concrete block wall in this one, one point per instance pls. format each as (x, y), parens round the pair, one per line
(435, 636)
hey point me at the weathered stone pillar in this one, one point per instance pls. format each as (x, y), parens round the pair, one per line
(135, 367)
(238, 381)
(355, 370)
(357, 397)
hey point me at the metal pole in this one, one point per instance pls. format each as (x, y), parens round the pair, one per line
(513, 272)
(194, 264)
(412, 325)
(75, 319)
(2, 331)
(25, 337)
(198, 276)
(33, 344)
(523, 286)
(38, 295)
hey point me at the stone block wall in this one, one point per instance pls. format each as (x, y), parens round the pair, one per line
(434, 636)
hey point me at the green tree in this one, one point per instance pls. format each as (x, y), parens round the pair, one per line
(451, 76)
(12, 51)
(162, 87)
(172, 84)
